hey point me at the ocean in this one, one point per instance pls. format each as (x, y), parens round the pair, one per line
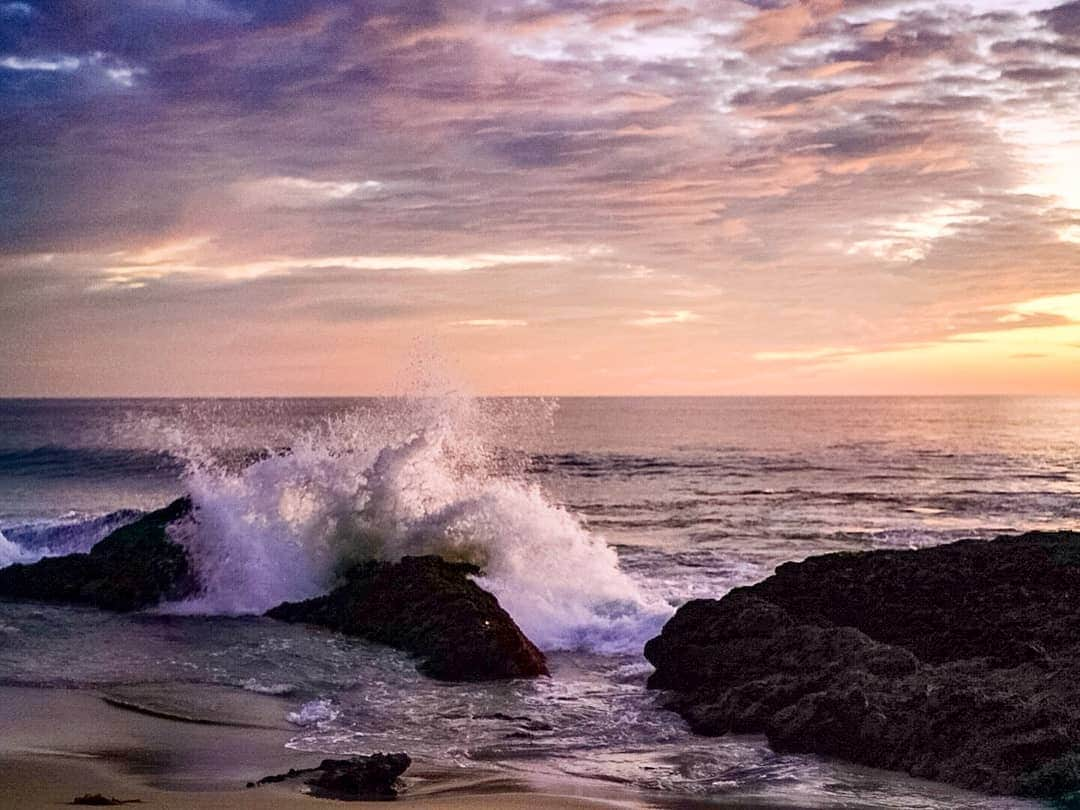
(593, 519)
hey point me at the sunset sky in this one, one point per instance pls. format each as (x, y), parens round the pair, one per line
(552, 196)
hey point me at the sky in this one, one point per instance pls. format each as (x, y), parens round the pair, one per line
(642, 197)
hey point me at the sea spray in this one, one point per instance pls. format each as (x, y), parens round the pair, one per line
(313, 713)
(412, 476)
(10, 553)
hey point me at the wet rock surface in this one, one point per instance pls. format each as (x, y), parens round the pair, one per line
(135, 566)
(430, 608)
(959, 663)
(364, 778)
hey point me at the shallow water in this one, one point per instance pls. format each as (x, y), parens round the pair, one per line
(593, 519)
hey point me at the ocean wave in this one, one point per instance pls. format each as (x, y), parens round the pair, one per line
(422, 481)
(722, 464)
(12, 553)
(64, 462)
(52, 461)
(910, 537)
(46, 538)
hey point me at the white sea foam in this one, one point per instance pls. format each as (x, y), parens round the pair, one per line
(415, 478)
(32, 541)
(11, 553)
(259, 688)
(313, 712)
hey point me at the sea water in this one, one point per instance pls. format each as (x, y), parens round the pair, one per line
(593, 519)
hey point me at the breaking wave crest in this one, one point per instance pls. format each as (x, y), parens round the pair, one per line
(11, 553)
(30, 542)
(416, 476)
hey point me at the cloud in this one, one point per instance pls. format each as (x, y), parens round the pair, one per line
(1069, 233)
(177, 259)
(653, 318)
(1050, 146)
(301, 192)
(822, 353)
(62, 63)
(1038, 74)
(734, 228)
(16, 10)
(857, 174)
(1065, 306)
(1064, 19)
(909, 238)
(775, 27)
(491, 323)
(116, 71)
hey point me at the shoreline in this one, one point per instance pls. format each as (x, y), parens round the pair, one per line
(61, 743)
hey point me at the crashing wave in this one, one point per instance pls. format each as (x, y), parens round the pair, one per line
(419, 477)
(11, 553)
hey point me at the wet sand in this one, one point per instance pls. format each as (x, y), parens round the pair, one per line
(193, 747)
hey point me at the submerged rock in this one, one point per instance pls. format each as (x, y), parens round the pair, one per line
(135, 566)
(958, 663)
(372, 778)
(429, 607)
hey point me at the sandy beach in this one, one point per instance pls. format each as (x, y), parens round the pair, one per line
(133, 745)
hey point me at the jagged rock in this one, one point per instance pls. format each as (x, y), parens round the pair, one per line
(957, 663)
(136, 566)
(372, 778)
(429, 607)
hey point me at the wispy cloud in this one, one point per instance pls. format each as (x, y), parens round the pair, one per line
(822, 353)
(1064, 306)
(491, 323)
(177, 259)
(31, 63)
(665, 318)
(301, 192)
(910, 237)
(778, 186)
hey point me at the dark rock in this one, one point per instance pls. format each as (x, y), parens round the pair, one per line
(957, 663)
(429, 607)
(98, 800)
(370, 778)
(134, 567)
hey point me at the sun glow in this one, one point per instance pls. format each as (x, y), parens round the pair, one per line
(909, 238)
(1050, 147)
(1010, 359)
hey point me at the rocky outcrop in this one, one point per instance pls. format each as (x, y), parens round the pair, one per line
(431, 608)
(423, 605)
(136, 566)
(958, 663)
(372, 778)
